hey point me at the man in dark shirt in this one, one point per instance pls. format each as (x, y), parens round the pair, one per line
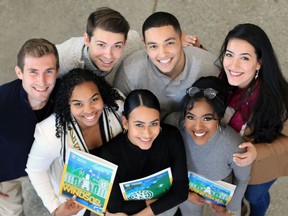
(23, 103)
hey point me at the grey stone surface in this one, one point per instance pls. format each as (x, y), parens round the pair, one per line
(210, 19)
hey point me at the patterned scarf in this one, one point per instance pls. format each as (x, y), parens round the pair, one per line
(243, 102)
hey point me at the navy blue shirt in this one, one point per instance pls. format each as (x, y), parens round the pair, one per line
(17, 125)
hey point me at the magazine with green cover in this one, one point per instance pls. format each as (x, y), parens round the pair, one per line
(149, 187)
(219, 192)
(88, 177)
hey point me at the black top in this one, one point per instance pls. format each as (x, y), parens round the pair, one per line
(17, 125)
(133, 163)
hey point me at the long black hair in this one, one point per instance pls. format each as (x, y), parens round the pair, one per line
(271, 107)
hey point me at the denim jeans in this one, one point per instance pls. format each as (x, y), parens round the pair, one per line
(259, 198)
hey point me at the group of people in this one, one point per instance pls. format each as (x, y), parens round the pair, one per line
(167, 105)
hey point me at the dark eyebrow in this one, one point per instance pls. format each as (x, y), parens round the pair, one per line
(208, 114)
(119, 42)
(32, 69)
(171, 38)
(52, 68)
(89, 98)
(168, 39)
(205, 115)
(240, 53)
(156, 120)
(151, 43)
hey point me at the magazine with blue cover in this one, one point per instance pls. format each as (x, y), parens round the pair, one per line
(88, 177)
(219, 192)
(150, 187)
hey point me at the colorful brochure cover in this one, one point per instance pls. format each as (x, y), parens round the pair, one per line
(219, 192)
(88, 177)
(150, 187)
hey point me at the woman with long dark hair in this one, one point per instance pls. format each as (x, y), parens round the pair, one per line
(258, 109)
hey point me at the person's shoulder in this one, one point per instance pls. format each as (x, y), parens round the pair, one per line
(173, 119)
(134, 36)
(231, 137)
(135, 62)
(136, 57)
(169, 129)
(10, 84)
(200, 53)
(72, 46)
(114, 144)
(10, 89)
(49, 121)
(72, 41)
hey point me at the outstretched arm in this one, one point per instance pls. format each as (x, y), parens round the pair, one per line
(245, 158)
(260, 151)
(191, 40)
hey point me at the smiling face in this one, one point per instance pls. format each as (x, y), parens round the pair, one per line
(105, 48)
(240, 63)
(164, 47)
(200, 122)
(143, 126)
(86, 104)
(38, 78)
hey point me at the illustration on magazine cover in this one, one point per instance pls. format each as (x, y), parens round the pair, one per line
(150, 187)
(90, 178)
(219, 192)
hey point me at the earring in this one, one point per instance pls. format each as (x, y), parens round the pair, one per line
(124, 131)
(160, 129)
(257, 74)
(219, 127)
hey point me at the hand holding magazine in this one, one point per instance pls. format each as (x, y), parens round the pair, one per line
(149, 187)
(219, 192)
(88, 177)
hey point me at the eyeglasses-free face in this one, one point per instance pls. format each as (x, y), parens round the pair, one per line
(201, 122)
(240, 63)
(143, 126)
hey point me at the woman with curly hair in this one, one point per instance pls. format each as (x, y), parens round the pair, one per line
(258, 109)
(87, 115)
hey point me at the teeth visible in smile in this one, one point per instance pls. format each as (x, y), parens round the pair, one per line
(41, 90)
(164, 61)
(235, 73)
(107, 61)
(145, 140)
(89, 117)
(199, 134)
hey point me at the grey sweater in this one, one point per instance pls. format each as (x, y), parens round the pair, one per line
(214, 160)
(70, 54)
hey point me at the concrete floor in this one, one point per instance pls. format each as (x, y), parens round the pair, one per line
(211, 20)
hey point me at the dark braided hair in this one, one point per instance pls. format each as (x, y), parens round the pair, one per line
(76, 77)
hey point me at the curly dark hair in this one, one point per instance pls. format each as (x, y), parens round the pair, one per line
(76, 77)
